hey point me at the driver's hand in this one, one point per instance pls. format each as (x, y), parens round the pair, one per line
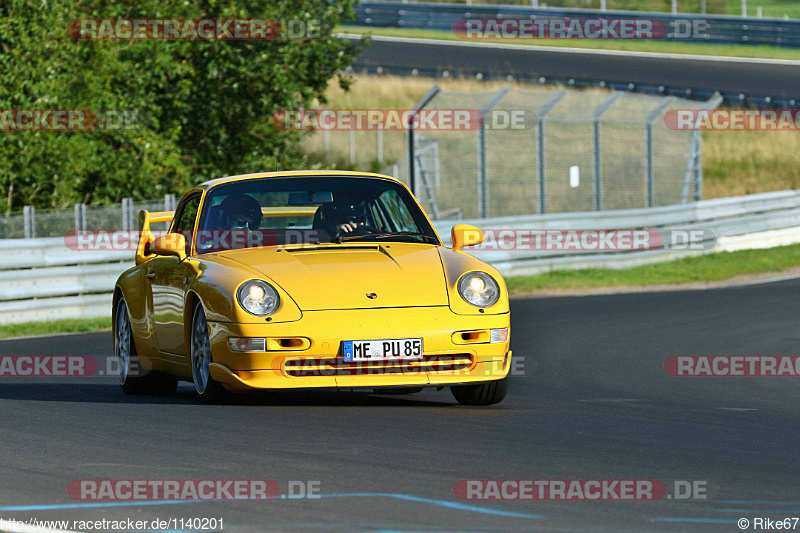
(348, 227)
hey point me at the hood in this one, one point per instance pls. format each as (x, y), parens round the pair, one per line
(340, 276)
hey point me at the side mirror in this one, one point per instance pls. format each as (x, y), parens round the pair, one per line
(170, 244)
(465, 235)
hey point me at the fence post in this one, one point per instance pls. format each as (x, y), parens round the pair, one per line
(379, 136)
(352, 144)
(326, 142)
(170, 202)
(597, 164)
(29, 219)
(648, 166)
(649, 160)
(483, 179)
(540, 168)
(691, 166)
(698, 170)
(483, 175)
(127, 213)
(80, 217)
(694, 174)
(410, 135)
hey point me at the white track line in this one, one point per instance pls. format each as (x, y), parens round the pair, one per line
(768, 280)
(567, 50)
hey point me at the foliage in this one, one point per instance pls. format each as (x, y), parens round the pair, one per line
(206, 104)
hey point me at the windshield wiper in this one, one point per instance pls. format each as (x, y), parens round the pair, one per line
(429, 238)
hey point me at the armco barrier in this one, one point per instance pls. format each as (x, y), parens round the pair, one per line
(716, 29)
(42, 279)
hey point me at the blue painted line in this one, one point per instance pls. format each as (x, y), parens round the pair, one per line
(441, 503)
(694, 520)
(94, 505)
(397, 496)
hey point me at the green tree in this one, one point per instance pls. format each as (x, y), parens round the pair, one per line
(207, 103)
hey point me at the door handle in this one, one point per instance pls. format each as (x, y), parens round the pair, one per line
(151, 275)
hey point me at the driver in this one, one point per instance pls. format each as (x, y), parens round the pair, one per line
(240, 211)
(341, 218)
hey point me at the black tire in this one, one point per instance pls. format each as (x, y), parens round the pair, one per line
(130, 374)
(487, 393)
(208, 390)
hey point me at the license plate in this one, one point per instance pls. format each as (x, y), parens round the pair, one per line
(382, 349)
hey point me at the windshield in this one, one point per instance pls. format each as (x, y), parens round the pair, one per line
(310, 210)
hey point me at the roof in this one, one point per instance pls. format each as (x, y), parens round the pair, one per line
(289, 173)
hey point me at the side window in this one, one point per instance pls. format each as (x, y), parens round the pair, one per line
(186, 215)
(393, 205)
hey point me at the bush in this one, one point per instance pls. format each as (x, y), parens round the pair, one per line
(207, 103)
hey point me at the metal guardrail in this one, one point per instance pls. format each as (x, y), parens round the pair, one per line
(43, 279)
(722, 29)
(717, 29)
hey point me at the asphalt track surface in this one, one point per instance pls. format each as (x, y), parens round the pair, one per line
(594, 402)
(753, 77)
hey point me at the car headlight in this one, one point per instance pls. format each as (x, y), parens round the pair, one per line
(258, 297)
(479, 289)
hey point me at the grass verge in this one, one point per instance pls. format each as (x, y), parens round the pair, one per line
(760, 52)
(769, 8)
(712, 267)
(79, 325)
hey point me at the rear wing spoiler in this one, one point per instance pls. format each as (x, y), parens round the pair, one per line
(146, 236)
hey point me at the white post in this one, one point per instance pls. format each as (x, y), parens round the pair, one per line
(326, 141)
(703, 7)
(29, 221)
(603, 5)
(534, 3)
(759, 11)
(380, 143)
(352, 145)
(744, 8)
(674, 7)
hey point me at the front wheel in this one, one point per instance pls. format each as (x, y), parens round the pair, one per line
(207, 389)
(130, 374)
(487, 393)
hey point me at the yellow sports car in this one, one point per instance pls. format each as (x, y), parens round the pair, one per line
(309, 279)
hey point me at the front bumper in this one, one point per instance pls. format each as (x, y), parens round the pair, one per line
(448, 358)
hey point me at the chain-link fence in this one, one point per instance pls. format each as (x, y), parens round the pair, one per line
(31, 223)
(539, 151)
